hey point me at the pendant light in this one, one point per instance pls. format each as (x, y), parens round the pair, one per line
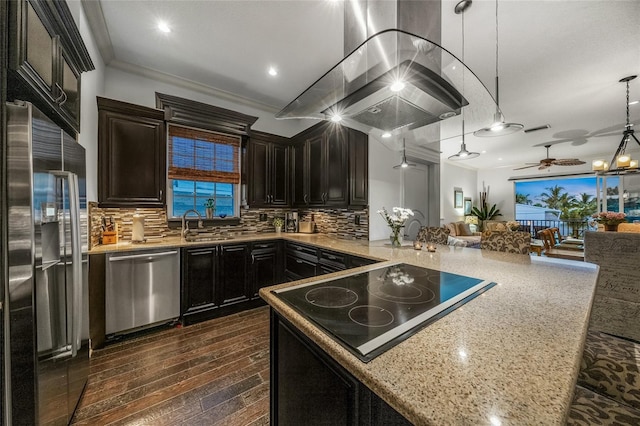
(463, 154)
(499, 127)
(621, 161)
(404, 164)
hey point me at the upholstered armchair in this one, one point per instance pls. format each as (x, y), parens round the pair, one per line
(518, 242)
(433, 234)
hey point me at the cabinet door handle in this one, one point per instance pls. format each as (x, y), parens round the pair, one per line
(332, 257)
(62, 94)
(253, 259)
(298, 260)
(271, 199)
(305, 199)
(161, 194)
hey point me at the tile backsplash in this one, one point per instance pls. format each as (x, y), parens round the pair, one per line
(340, 223)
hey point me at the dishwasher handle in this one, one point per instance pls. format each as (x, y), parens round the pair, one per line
(148, 256)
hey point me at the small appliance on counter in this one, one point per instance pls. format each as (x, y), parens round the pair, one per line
(137, 231)
(292, 222)
(307, 227)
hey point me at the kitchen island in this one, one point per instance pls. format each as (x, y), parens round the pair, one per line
(509, 356)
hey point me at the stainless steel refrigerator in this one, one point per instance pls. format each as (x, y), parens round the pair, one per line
(46, 336)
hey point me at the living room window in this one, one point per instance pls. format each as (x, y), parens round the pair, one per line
(203, 165)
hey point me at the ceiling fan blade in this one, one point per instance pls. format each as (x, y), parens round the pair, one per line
(568, 162)
(526, 167)
(544, 166)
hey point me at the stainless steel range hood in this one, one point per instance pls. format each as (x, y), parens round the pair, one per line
(359, 88)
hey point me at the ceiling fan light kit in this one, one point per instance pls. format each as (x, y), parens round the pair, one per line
(545, 163)
(499, 126)
(623, 162)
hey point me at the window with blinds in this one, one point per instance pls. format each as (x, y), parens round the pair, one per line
(203, 165)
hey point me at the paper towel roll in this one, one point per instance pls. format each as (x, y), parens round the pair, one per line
(137, 232)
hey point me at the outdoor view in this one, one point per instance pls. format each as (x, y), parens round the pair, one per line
(569, 203)
(188, 194)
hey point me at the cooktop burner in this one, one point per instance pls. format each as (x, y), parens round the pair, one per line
(370, 312)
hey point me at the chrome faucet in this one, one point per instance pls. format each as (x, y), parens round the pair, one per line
(185, 223)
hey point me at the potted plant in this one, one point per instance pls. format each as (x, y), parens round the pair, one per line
(610, 220)
(210, 206)
(278, 223)
(485, 212)
(396, 222)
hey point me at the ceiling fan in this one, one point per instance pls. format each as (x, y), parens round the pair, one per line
(545, 163)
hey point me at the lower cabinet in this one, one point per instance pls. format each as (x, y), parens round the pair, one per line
(309, 387)
(302, 261)
(198, 282)
(225, 279)
(266, 265)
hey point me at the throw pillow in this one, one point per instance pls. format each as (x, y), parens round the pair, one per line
(463, 230)
(456, 242)
(452, 228)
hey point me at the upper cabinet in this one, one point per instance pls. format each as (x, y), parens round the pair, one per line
(330, 167)
(268, 170)
(131, 155)
(46, 57)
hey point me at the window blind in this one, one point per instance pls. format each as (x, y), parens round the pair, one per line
(203, 156)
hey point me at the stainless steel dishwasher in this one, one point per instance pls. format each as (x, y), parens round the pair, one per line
(142, 289)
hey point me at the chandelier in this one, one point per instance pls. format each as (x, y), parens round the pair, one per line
(621, 162)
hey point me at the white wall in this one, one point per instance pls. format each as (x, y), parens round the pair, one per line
(500, 188)
(92, 85)
(452, 176)
(141, 90)
(385, 187)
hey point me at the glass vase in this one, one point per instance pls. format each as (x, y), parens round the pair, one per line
(396, 237)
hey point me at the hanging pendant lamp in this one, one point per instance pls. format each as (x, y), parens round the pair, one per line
(404, 164)
(463, 154)
(499, 127)
(621, 163)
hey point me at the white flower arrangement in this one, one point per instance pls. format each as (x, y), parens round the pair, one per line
(397, 219)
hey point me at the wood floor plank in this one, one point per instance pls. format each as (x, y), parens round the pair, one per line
(201, 374)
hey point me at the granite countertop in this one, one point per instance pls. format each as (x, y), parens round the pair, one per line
(510, 356)
(173, 242)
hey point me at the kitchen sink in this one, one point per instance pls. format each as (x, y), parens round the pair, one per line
(203, 238)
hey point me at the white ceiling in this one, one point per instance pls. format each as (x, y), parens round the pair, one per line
(559, 61)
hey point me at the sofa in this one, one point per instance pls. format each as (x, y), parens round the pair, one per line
(461, 231)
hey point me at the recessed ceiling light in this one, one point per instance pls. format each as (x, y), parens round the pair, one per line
(397, 86)
(499, 159)
(272, 71)
(386, 135)
(164, 27)
(336, 118)
(483, 152)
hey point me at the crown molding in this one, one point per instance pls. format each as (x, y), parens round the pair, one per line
(97, 24)
(185, 83)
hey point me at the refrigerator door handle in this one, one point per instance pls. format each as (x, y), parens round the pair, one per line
(76, 257)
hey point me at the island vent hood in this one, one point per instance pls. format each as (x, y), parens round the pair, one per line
(396, 80)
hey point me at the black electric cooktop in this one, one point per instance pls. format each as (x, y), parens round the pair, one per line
(370, 312)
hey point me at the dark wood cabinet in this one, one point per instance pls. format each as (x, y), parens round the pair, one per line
(233, 274)
(303, 261)
(224, 279)
(266, 265)
(358, 169)
(323, 172)
(305, 381)
(131, 155)
(198, 280)
(269, 168)
(46, 57)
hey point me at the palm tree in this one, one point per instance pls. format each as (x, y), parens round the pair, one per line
(585, 205)
(523, 199)
(555, 199)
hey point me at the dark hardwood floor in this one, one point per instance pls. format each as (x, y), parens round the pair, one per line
(215, 372)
